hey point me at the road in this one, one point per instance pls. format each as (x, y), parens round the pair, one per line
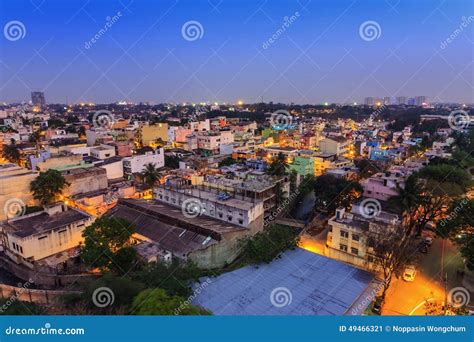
(404, 298)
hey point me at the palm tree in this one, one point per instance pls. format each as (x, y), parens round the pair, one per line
(47, 186)
(150, 174)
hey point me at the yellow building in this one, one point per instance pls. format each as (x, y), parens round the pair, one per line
(149, 135)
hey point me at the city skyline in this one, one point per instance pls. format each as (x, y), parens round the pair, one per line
(174, 52)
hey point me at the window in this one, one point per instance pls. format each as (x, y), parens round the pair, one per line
(344, 234)
(370, 258)
(21, 250)
(355, 237)
(354, 251)
(241, 221)
(343, 247)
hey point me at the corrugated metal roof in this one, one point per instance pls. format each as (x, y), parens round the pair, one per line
(308, 283)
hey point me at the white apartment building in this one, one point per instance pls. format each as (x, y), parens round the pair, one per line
(348, 235)
(244, 213)
(136, 163)
(39, 235)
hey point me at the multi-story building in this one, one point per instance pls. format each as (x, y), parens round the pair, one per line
(15, 188)
(244, 213)
(150, 135)
(84, 180)
(37, 98)
(382, 186)
(30, 238)
(136, 163)
(348, 239)
(334, 145)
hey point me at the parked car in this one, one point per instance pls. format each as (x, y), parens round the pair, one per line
(409, 273)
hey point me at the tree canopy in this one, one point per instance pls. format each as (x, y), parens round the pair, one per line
(47, 186)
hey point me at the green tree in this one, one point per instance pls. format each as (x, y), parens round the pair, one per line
(150, 174)
(114, 293)
(278, 166)
(175, 277)
(227, 162)
(172, 162)
(332, 193)
(269, 243)
(12, 306)
(458, 225)
(158, 302)
(107, 245)
(48, 186)
(11, 153)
